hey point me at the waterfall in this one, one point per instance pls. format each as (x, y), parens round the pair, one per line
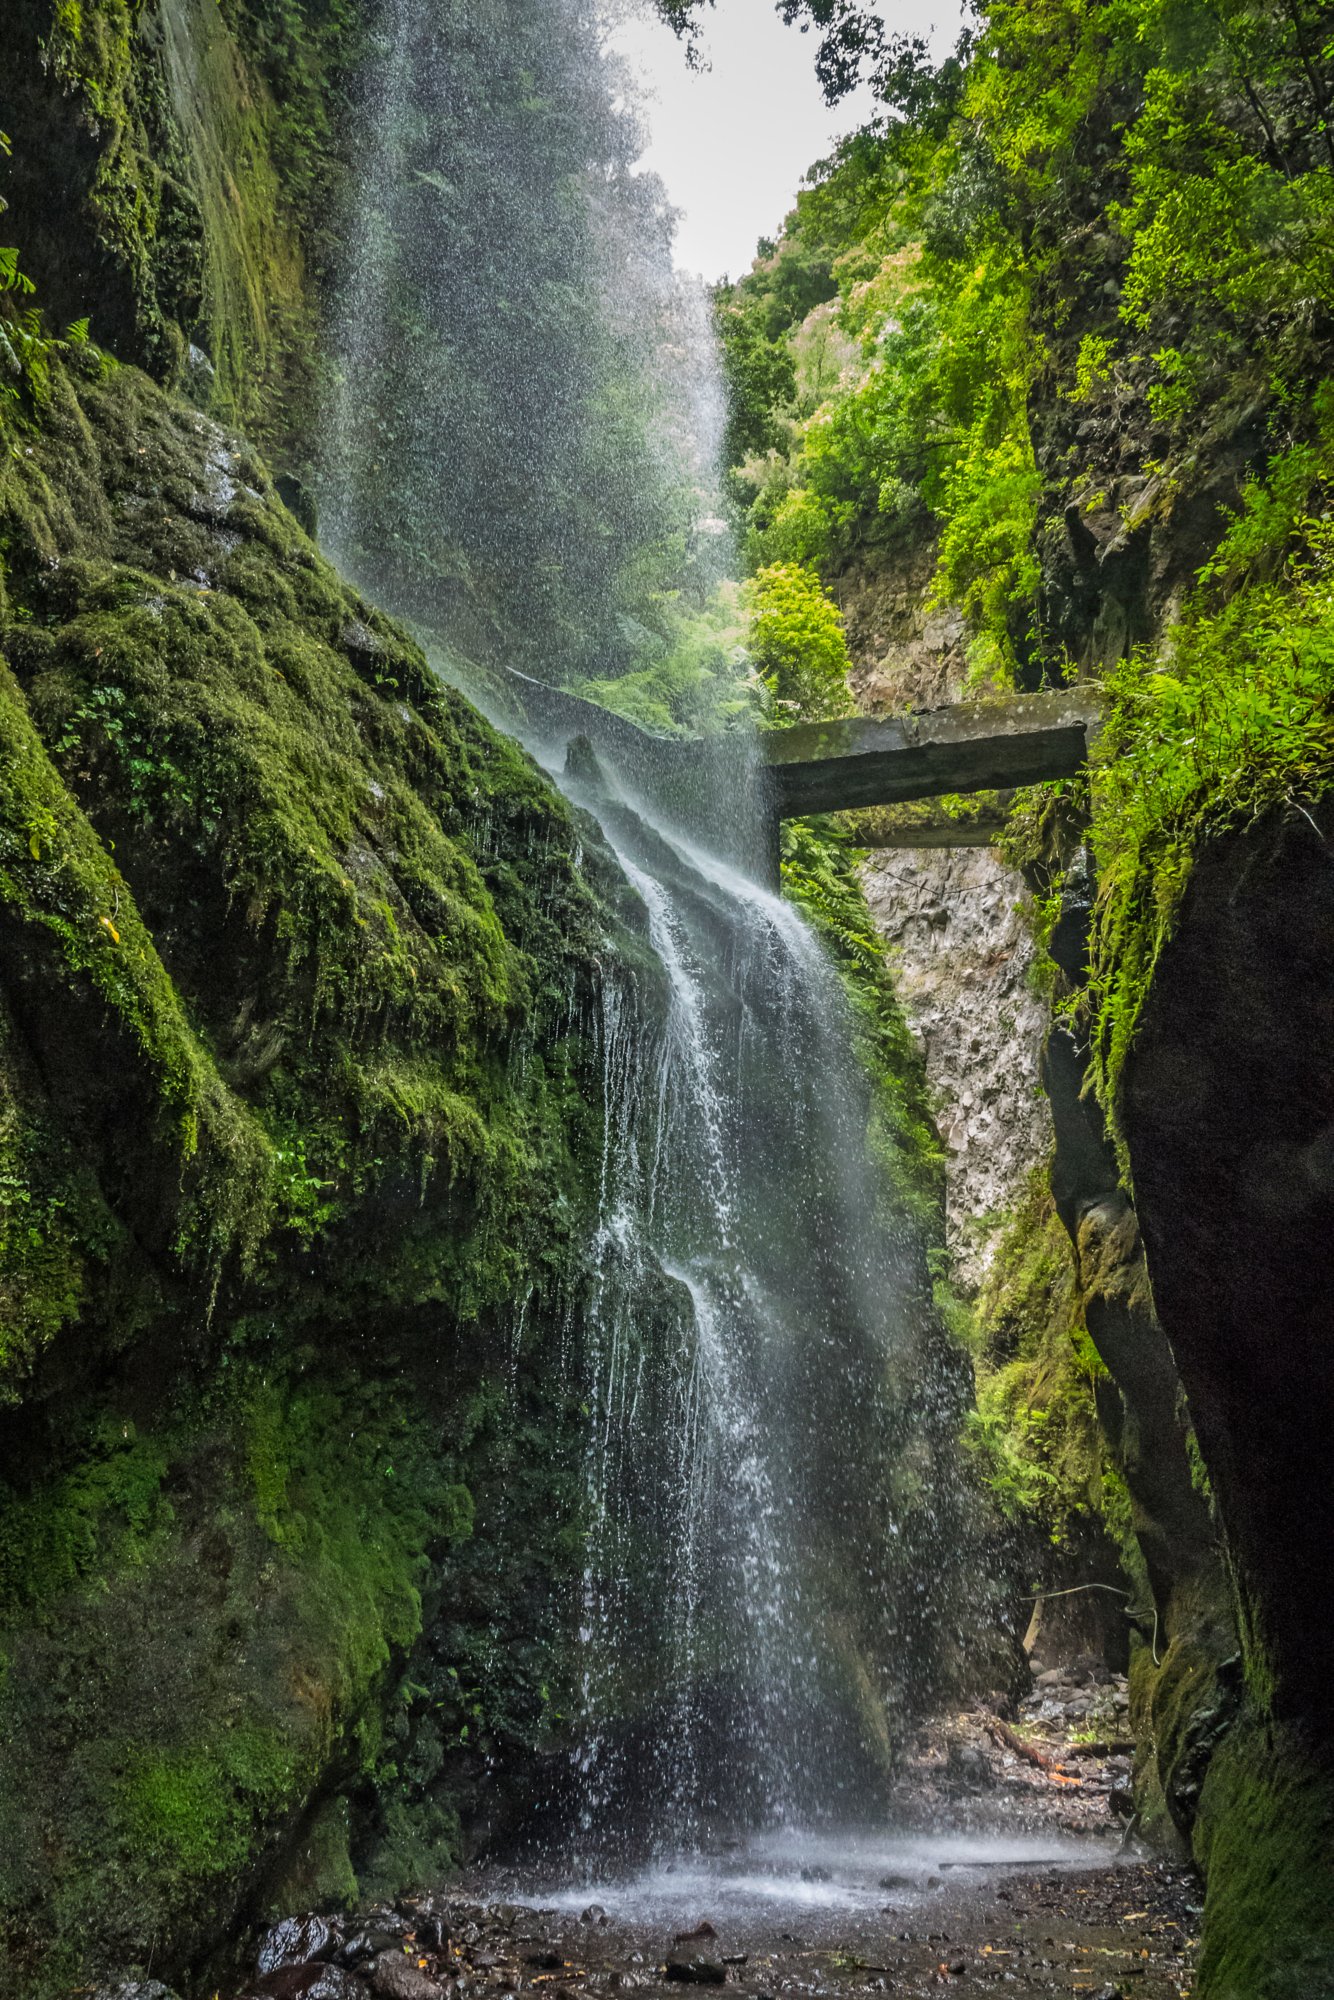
(745, 1667)
(766, 1526)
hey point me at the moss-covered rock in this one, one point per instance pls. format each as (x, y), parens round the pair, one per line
(295, 1101)
(173, 177)
(1265, 1837)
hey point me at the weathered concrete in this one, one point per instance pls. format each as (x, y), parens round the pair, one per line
(968, 747)
(856, 761)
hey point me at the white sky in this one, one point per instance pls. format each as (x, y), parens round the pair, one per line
(731, 145)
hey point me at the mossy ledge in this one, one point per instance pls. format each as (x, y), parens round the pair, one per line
(297, 1097)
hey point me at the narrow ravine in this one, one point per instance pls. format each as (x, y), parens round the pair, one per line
(666, 1089)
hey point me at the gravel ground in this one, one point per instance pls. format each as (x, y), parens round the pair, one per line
(1009, 1869)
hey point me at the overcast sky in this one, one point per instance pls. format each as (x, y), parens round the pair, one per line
(732, 145)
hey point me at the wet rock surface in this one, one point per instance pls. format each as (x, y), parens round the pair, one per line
(963, 959)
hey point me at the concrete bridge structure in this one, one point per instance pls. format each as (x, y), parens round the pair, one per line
(850, 764)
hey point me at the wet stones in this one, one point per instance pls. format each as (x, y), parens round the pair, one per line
(363, 1946)
(134, 1989)
(696, 1971)
(967, 1764)
(314, 1981)
(295, 1941)
(394, 1977)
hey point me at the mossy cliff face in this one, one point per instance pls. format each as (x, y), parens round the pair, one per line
(294, 1102)
(173, 176)
(1228, 1111)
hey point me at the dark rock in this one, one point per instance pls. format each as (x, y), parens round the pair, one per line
(363, 646)
(435, 1926)
(594, 1914)
(696, 1971)
(1069, 940)
(544, 1961)
(703, 1929)
(365, 1945)
(311, 1982)
(897, 1882)
(393, 1976)
(968, 1765)
(296, 1941)
(299, 501)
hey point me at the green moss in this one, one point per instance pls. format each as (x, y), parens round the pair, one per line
(819, 874)
(200, 153)
(317, 1871)
(193, 1815)
(108, 1509)
(1230, 722)
(1035, 1429)
(56, 879)
(294, 1103)
(1265, 1837)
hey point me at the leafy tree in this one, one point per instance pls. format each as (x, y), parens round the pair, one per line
(797, 644)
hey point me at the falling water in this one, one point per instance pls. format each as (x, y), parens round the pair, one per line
(767, 1412)
(744, 1670)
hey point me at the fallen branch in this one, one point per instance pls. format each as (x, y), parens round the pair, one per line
(1011, 1740)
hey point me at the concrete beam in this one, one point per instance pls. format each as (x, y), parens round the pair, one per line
(970, 747)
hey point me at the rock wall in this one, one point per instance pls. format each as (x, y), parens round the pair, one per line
(297, 1097)
(1118, 1502)
(964, 958)
(965, 975)
(1228, 1116)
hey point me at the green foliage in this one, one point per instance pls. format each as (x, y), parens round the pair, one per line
(1099, 258)
(25, 347)
(1126, 205)
(1034, 1431)
(696, 681)
(797, 644)
(1230, 720)
(819, 872)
